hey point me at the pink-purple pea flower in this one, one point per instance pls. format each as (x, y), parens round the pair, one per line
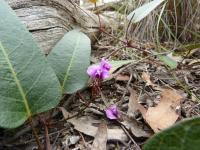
(112, 112)
(100, 71)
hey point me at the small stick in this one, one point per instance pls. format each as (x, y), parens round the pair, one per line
(35, 134)
(115, 51)
(137, 146)
(47, 139)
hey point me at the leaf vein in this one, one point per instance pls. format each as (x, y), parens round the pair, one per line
(16, 80)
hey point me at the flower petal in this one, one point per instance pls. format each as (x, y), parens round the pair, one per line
(105, 64)
(93, 70)
(105, 74)
(112, 112)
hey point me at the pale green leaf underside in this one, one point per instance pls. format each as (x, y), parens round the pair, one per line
(141, 12)
(183, 136)
(168, 61)
(119, 63)
(70, 59)
(28, 84)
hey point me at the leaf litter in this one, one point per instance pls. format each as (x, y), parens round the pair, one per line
(165, 113)
(101, 136)
(145, 103)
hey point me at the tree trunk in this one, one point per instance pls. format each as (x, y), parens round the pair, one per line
(49, 20)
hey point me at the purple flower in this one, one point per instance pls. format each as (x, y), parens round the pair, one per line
(100, 71)
(105, 64)
(112, 112)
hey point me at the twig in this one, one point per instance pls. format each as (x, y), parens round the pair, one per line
(137, 146)
(129, 65)
(35, 134)
(83, 139)
(75, 5)
(47, 139)
(115, 51)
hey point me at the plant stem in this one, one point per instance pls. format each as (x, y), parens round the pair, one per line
(35, 134)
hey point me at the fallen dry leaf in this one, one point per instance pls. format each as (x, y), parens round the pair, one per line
(122, 77)
(164, 114)
(70, 140)
(85, 125)
(133, 104)
(65, 113)
(136, 128)
(132, 124)
(100, 137)
(146, 78)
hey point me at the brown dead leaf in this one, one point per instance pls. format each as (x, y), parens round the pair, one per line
(65, 114)
(122, 78)
(146, 78)
(85, 125)
(100, 138)
(133, 104)
(164, 114)
(136, 128)
(130, 123)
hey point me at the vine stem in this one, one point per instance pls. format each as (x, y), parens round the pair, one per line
(35, 134)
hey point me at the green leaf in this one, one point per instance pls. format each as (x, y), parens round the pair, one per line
(168, 61)
(119, 63)
(141, 12)
(70, 59)
(182, 136)
(28, 84)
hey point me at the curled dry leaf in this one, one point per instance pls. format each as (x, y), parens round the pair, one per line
(164, 114)
(100, 137)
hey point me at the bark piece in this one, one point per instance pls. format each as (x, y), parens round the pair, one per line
(49, 20)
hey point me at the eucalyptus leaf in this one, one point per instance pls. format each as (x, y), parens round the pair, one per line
(28, 84)
(70, 59)
(182, 136)
(141, 12)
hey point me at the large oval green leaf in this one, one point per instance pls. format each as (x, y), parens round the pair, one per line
(28, 84)
(183, 136)
(70, 59)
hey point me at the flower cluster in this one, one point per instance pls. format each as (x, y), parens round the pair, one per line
(100, 71)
